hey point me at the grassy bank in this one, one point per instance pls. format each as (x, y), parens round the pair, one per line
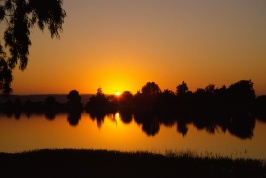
(102, 163)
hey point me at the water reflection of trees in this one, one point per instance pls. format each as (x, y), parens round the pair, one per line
(73, 118)
(240, 125)
(212, 109)
(126, 116)
(149, 121)
(182, 127)
(99, 117)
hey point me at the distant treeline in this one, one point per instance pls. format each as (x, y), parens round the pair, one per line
(233, 109)
(61, 98)
(238, 97)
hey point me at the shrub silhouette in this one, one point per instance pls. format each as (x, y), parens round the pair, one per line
(98, 102)
(74, 101)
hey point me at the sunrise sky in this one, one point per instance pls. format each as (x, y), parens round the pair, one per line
(122, 44)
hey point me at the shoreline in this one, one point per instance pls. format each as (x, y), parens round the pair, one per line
(103, 163)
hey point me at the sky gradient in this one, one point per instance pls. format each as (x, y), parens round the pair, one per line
(122, 44)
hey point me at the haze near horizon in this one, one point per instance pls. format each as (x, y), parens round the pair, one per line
(120, 45)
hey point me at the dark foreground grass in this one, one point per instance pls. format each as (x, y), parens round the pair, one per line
(102, 163)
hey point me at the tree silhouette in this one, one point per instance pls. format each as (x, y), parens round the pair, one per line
(148, 95)
(98, 102)
(221, 95)
(5, 74)
(166, 100)
(210, 88)
(181, 89)
(183, 97)
(151, 88)
(21, 16)
(74, 100)
(125, 100)
(241, 93)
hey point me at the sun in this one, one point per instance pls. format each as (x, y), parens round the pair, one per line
(117, 93)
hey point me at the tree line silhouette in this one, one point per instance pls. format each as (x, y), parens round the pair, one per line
(237, 98)
(232, 109)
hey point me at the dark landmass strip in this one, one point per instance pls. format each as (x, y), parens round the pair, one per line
(61, 98)
(102, 163)
(234, 108)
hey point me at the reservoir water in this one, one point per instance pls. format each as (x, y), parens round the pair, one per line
(117, 132)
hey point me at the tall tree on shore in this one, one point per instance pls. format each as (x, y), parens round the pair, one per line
(74, 100)
(242, 93)
(181, 89)
(148, 95)
(21, 16)
(151, 88)
(97, 102)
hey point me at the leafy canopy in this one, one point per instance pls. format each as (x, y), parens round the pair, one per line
(20, 16)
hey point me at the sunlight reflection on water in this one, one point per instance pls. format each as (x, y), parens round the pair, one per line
(113, 133)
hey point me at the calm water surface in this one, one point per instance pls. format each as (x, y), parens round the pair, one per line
(113, 133)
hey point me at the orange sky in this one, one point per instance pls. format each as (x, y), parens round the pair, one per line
(122, 44)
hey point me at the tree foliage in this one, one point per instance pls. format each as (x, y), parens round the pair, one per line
(98, 101)
(74, 100)
(20, 16)
(242, 92)
(151, 88)
(182, 89)
(126, 99)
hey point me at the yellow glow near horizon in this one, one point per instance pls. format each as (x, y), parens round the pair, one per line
(117, 93)
(122, 45)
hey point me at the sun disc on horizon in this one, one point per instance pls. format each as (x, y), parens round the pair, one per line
(117, 93)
